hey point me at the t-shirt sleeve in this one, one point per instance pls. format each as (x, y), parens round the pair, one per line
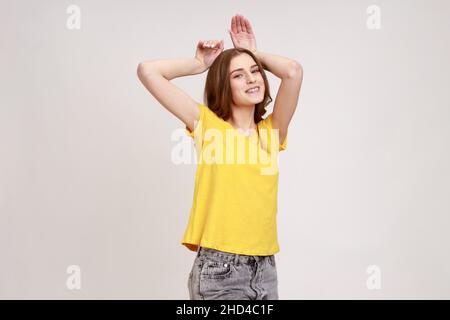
(268, 125)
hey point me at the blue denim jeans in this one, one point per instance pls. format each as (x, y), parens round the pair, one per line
(218, 275)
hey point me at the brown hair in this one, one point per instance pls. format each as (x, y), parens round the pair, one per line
(217, 95)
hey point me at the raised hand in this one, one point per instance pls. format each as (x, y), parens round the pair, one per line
(207, 51)
(241, 33)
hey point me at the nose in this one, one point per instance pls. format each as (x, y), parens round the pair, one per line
(251, 78)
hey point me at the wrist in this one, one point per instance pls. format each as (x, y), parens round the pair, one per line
(200, 66)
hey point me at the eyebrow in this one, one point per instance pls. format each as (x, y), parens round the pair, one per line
(255, 65)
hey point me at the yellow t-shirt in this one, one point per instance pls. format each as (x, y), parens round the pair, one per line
(236, 184)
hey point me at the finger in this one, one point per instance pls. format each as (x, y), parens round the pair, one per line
(233, 24)
(248, 26)
(239, 23)
(243, 24)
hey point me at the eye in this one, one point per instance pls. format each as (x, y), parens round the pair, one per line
(256, 70)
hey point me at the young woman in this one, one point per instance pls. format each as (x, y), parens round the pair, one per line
(232, 222)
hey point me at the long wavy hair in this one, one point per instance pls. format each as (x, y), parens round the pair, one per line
(218, 96)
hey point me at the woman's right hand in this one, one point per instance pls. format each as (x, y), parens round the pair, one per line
(207, 51)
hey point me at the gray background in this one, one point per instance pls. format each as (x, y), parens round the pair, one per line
(87, 177)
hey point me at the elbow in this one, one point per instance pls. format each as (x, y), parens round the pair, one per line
(143, 69)
(295, 70)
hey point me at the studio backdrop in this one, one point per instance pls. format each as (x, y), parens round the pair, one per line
(94, 206)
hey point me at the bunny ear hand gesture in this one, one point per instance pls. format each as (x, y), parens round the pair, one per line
(241, 33)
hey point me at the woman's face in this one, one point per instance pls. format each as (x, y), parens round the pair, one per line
(245, 74)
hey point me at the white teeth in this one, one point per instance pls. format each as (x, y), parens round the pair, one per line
(252, 90)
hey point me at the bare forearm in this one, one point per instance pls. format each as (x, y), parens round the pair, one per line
(172, 68)
(280, 66)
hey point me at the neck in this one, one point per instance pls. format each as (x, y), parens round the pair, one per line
(243, 117)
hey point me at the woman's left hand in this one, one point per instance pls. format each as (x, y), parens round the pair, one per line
(241, 33)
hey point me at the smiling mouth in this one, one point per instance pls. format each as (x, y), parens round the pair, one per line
(253, 91)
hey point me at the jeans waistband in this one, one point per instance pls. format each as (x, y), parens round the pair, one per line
(232, 257)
